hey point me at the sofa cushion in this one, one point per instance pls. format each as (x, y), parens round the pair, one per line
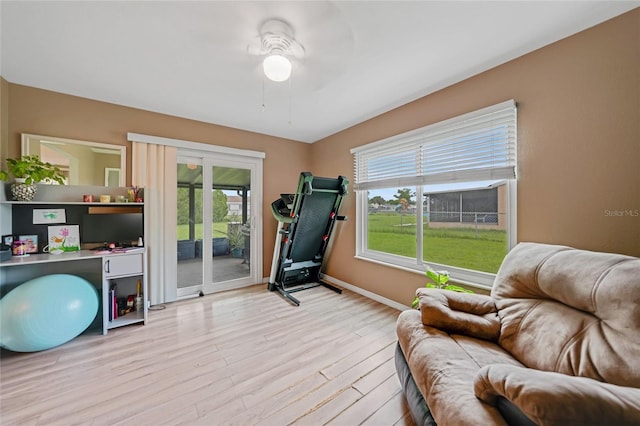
(443, 367)
(571, 311)
(554, 399)
(473, 315)
(417, 406)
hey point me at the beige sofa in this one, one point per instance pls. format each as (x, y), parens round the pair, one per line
(558, 340)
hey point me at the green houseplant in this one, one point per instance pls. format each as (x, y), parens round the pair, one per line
(440, 280)
(27, 171)
(236, 240)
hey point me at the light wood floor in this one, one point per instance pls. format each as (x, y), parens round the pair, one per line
(241, 357)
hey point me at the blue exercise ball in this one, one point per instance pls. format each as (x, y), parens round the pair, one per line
(46, 312)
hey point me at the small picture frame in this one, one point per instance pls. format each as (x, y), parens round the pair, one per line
(7, 240)
(31, 242)
(63, 239)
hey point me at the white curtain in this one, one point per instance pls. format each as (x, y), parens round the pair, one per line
(154, 169)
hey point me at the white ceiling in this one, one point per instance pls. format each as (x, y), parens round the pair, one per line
(189, 59)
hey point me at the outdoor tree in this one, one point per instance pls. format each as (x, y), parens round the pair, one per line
(403, 201)
(377, 200)
(406, 194)
(183, 206)
(220, 207)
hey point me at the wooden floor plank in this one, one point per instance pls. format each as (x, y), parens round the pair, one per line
(313, 399)
(391, 413)
(369, 404)
(377, 376)
(328, 410)
(242, 357)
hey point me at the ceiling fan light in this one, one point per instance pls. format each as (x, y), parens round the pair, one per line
(276, 68)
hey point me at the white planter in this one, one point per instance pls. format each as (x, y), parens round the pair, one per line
(20, 191)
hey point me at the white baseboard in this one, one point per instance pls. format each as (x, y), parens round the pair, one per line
(331, 280)
(365, 293)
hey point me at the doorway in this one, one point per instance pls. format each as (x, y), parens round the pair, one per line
(218, 223)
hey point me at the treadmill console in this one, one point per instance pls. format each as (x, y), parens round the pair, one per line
(283, 205)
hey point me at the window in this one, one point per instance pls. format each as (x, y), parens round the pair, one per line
(442, 195)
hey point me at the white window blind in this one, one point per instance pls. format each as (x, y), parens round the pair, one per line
(480, 145)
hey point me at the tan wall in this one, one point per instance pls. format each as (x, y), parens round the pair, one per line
(49, 113)
(578, 147)
(4, 120)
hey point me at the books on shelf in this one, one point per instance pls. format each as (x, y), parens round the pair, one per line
(113, 303)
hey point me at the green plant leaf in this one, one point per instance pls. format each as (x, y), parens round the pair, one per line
(440, 279)
(32, 169)
(432, 274)
(457, 288)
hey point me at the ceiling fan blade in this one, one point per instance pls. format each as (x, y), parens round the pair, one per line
(296, 50)
(255, 47)
(256, 51)
(327, 56)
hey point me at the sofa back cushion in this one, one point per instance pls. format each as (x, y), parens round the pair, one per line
(571, 311)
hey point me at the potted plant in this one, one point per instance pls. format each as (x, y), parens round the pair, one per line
(440, 280)
(236, 241)
(27, 171)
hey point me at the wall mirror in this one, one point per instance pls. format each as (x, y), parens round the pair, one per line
(82, 162)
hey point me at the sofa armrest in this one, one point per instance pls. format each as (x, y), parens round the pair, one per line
(551, 398)
(470, 314)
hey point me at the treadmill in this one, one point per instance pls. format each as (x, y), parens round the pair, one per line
(305, 222)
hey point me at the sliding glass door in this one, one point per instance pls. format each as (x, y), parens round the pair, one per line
(217, 226)
(189, 225)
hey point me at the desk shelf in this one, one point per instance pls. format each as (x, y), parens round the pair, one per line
(101, 269)
(134, 317)
(72, 203)
(125, 270)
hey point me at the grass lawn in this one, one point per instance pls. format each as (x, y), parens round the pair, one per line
(219, 230)
(481, 250)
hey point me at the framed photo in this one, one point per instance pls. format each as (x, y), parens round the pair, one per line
(31, 242)
(7, 240)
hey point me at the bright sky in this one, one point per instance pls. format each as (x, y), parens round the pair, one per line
(389, 193)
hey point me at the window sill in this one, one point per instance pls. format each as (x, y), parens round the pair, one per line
(463, 277)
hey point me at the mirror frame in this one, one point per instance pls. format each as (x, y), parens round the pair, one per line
(27, 138)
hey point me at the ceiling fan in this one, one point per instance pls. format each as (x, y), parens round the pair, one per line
(278, 45)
